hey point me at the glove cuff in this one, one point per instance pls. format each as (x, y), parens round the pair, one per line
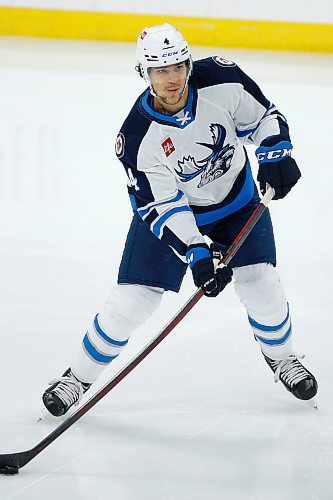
(268, 154)
(196, 253)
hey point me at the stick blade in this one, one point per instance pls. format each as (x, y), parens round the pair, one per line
(10, 463)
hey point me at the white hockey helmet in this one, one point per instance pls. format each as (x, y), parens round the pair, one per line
(161, 46)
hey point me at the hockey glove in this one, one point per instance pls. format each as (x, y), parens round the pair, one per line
(276, 167)
(203, 270)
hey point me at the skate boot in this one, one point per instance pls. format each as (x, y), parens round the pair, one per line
(64, 392)
(294, 376)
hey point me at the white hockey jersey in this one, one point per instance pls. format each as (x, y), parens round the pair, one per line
(189, 170)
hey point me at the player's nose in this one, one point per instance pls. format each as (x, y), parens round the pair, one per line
(174, 77)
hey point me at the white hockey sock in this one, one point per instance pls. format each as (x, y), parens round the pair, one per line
(127, 308)
(260, 290)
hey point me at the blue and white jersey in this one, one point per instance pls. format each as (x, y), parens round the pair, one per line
(191, 169)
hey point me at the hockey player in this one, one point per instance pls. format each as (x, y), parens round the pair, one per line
(182, 146)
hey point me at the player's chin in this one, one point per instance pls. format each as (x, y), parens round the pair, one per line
(172, 98)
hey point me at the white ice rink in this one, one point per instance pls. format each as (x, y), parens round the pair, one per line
(201, 417)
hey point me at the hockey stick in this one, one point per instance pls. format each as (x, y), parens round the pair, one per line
(10, 463)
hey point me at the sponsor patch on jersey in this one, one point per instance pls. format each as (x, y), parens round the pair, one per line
(168, 146)
(120, 145)
(223, 62)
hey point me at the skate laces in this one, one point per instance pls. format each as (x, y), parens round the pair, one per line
(290, 370)
(68, 389)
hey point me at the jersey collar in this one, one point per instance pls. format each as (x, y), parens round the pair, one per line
(145, 106)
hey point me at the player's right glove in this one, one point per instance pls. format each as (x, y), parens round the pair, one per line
(203, 270)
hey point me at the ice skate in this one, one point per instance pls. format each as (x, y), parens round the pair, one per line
(295, 377)
(64, 393)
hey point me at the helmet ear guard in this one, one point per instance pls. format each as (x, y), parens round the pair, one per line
(138, 69)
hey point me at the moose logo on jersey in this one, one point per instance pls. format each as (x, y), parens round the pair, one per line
(213, 166)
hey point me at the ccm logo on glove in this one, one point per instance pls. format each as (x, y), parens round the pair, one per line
(275, 153)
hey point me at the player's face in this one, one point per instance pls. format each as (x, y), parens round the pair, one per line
(168, 82)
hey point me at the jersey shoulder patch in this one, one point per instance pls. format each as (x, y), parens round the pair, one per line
(120, 145)
(221, 61)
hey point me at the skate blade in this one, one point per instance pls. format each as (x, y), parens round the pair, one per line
(43, 416)
(46, 417)
(312, 403)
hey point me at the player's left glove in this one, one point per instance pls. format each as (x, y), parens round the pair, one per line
(276, 167)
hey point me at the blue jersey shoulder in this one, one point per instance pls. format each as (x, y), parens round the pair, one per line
(131, 134)
(216, 70)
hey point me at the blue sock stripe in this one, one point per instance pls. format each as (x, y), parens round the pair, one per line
(109, 340)
(266, 328)
(276, 341)
(94, 353)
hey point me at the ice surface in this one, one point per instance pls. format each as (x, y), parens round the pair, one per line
(201, 418)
